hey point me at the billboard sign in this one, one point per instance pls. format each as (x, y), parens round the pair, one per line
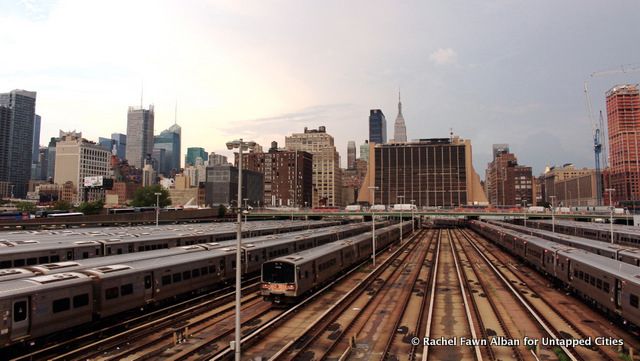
(93, 181)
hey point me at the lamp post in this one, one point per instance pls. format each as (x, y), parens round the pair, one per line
(373, 223)
(241, 146)
(611, 190)
(157, 206)
(246, 210)
(401, 206)
(524, 206)
(413, 221)
(553, 219)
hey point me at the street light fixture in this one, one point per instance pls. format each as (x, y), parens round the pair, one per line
(241, 146)
(246, 210)
(401, 206)
(373, 223)
(611, 190)
(524, 207)
(157, 206)
(553, 219)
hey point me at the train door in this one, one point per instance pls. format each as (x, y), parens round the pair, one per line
(148, 287)
(70, 255)
(568, 270)
(618, 294)
(20, 318)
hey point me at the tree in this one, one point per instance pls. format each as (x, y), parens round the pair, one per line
(222, 210)
(26, 207)
(62, 205)
(145, 196)
(91, 207)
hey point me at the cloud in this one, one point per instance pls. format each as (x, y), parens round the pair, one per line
(443, 56)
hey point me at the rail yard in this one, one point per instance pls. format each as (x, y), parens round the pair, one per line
(453, 290)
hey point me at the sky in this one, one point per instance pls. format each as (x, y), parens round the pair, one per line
(497, 71)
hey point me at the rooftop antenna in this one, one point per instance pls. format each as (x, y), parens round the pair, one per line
(451, 134)
(141, 93)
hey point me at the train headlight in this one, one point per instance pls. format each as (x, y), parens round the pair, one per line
(265, 285)
(291, 286)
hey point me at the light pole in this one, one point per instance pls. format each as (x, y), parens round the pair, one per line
(241, 146)
(401, 206)
(611, 190)
(157, 206)
(524, 206)
(413, 221)
(372, 190)
(246, 210)
(553, 219)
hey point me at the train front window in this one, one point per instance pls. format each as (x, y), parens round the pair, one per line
(19, 311)
(278, 272)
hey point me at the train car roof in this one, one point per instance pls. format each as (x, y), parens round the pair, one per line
(42, 283)
(566, 237)
(617, 228)
(317, 252)
(614, 267)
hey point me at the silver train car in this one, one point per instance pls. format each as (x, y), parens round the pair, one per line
(626, 254)
(19, 253)
(286, 279)
(124, 284)
(610, 285)
(623, 235)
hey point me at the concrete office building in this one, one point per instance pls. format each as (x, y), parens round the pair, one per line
(288, 175)
(623, 128)
(327, 179)
(140, 124)
(570, 186)
(77, 158)
(17, 118)
(364, 151)
(433, 172)
(221, 186)
(217, 159)
(377, 127)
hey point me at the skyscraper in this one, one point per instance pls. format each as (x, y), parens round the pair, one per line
(139, 135)
(16, 139)
(327, 180)
(121, 145)
(623, 125)
(351, 154)
(169, 140)
(399, 128)
(377, 126)
(35, 149)
(193, 153)
(508, 183)
(364, 151)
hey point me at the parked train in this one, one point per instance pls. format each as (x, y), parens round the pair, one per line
(38, 306)
(611, 285)
(624, 235)
(38, 250)
(322, 235)
(625, 254)
(287, 278)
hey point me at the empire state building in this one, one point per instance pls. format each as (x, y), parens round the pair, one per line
(399, 128)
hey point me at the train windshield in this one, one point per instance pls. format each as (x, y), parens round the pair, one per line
(278, 272)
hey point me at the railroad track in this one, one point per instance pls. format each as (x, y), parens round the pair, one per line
(554, 324)
(256, 343)
(111, 336)
(449, 317)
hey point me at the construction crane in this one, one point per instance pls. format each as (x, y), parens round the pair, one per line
(598, 128)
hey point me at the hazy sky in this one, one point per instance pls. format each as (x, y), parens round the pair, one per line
(497, 71)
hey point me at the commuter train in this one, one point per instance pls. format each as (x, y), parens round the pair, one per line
(37, 306)
(286, 279)
(610, 285)
(626, 254)
(624, 235)
(26, 249)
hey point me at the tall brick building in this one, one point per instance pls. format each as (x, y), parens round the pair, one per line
(623, 125)
(507, 183)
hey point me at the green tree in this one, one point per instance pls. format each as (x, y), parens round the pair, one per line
(26, 207)
(91, 207)
(222, 210)
(145, 196)
(62, 205)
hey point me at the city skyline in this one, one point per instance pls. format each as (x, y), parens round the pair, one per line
(514, 74)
